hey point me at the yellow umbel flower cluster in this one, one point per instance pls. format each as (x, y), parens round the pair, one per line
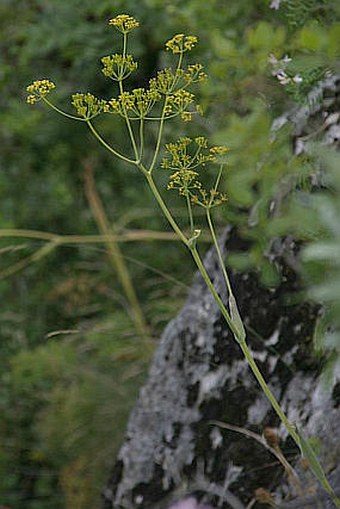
(168, 81)
(139, 102)
(118, 67)
(165, 81)
(181, 43)
(178, 103)
(208, 199)
(186, 156)
(124, 23)
(88, 106)
(219, 150)
(185, 181)
(39, 89)
(194, 74)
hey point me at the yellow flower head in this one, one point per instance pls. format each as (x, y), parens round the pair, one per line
(39, 89)
(219, 150)
(118, 67)
(124, 23)
(186, 116)
(184, 158)
(181, 43)
(32, 99)
(88, 106)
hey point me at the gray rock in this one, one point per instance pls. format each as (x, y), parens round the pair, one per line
(198, 374)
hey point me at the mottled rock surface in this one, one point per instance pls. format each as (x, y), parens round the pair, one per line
(172, 449)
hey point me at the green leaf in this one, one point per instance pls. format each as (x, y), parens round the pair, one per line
(236, 319)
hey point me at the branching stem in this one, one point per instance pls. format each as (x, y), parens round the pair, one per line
(107, 146)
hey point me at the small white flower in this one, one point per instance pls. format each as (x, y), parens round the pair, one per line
(286, 59)
(275, 4)
(283, 77)
(297, 78)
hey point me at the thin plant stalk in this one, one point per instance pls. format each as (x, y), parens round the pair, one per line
(114, 251)
(107, 146)
(191, 219)
(218, 250)
(159, 137)
(127, 120)
(276, 451)
(162, 119)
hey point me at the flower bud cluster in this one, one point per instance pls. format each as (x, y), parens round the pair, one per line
(219, 150)
(88, 106)
(194, 74)
(185, 181)
(171, 85)
(208, 199)
(178, 103)
(180, 156)
(124, 23)
(118, 67)
(181, 43)
(185, 157)
(165, 81)
(39, 89)
(168, 81)
(139, 102)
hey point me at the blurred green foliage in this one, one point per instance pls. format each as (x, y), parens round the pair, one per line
(71, 363)
(311, 215)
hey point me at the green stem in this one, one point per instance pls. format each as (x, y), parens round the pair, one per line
(219, 254)
(245, 350)
(224, 311)
(268, 393)
(211, 287)
(141, 139)
(159, 138)
(179, 65)
(128, 124)
(106, 145)
(331, 492)
(126, 116)
(162, 119)
(191, 219)
(124, 44)
(61, 112)
(193, 250)
(218, 178)
(173, 115)
(163, 206)
(244, 346)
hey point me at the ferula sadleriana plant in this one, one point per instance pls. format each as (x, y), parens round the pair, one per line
(169, 96)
